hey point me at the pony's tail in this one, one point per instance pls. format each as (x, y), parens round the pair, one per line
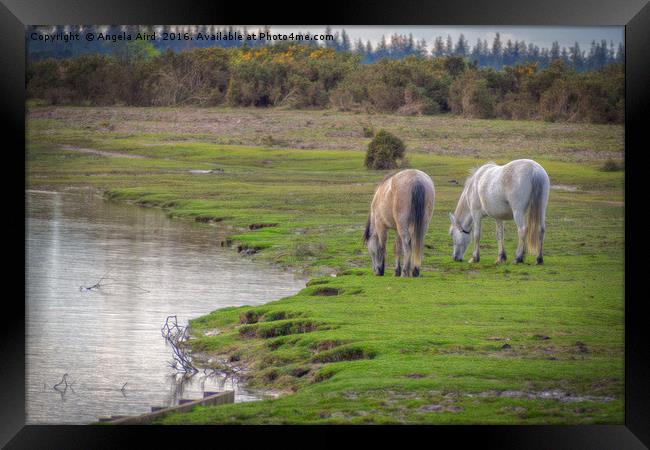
(416, 219)
(535, 219)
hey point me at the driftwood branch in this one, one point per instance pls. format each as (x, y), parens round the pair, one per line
(62, 386)
(176, 336)
(101, 284)
(98, 284)
(64, 381)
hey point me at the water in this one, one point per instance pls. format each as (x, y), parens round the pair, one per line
(104, 338)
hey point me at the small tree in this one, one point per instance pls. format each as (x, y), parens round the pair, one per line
(384, 151)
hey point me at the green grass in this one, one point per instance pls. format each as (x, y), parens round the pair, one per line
(356, 348)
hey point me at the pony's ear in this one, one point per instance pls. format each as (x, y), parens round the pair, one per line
(452, 219)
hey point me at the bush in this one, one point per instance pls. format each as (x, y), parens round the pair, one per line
(416, 102)
(368, 131)
(410, 86)
(555, 102)
(302, 76)
(384, 151)
(517, 106)
(611, 166)
(385, 97)
(470, 96)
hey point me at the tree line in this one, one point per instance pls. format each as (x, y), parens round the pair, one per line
(496, 54)
(306, 76)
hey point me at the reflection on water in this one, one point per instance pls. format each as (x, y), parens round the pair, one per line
(108, 339)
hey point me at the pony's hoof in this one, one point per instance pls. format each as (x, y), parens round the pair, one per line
(474, 260)
(518, 260)
(540, 260)
(416, 272)
(398, 271)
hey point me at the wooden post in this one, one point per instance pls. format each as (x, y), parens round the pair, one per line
(216, 398)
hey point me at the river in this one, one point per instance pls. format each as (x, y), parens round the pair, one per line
(103, 338)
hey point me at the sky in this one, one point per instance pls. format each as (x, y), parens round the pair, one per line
(541, 36)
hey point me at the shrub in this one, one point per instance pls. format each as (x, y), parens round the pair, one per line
(42, 76)
(384, 151)
(302, 76)
(269, 141)
(611, 166)
(368, 131)
(470, 96)
(342, 99)
(455, 65)
(517, 106)
(385, 97)
(416, 102)
(555, 101)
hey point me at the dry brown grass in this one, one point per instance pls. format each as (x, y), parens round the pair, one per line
(439, 134)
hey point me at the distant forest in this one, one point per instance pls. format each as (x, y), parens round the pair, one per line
(495, 54)
(293, 75)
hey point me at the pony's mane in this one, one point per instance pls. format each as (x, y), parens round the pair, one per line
(389, 175)
(366, 233)
(472, 171)
(462, 201)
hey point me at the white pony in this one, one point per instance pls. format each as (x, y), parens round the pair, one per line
(503, 193)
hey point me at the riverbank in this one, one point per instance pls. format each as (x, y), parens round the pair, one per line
(463, 344)
(113, 273)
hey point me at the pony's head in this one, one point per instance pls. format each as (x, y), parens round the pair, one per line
(375, 248)
(460, 237)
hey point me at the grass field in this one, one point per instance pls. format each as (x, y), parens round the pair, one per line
(481, 343)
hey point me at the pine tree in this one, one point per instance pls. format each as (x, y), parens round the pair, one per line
(532, 53)
(620, 55)
(421, 48)
(564, 55)
(555, 50)
(461, 46)
(602, 54)
(544, 57)
(611, 56)
(330, 43)
(520, 52)
(382, 48)
(508, 53)
(591, 60)
(497, 51)
(267, 30)
(359, 48)
(476, 51)
(345, 41)
(576, 57)
(410, 45)
(438, 47)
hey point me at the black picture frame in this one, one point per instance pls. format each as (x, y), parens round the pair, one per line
(633, 14)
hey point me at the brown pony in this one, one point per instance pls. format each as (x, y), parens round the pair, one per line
(403, 202)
